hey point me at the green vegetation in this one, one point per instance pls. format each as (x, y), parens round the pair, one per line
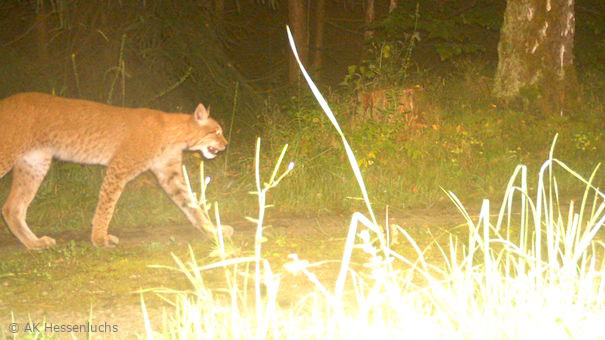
(458, 141)
(517, 276)
(535, 264)
(526, 271)
(457, 137)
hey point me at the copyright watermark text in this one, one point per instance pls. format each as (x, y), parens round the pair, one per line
(48, 327)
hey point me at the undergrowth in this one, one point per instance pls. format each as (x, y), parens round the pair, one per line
(533, 269)
(454, 143)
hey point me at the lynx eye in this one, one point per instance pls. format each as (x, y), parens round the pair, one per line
(219, 132)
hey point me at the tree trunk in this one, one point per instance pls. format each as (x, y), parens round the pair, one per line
(318, 36)
(368, 18)
(219, 9)
(298, 24)
(535, 54)
(42, 33)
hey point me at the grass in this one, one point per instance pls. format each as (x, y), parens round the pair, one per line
(460, 139)
(518, 273)
(532, 267)
(492, 286)
(529, 269)
(467, 145)
(534, 272)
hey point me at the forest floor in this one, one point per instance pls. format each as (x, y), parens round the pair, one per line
(75, 283)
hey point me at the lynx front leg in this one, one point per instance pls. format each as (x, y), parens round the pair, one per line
(28, 173)
(111, 189)
(171, 180)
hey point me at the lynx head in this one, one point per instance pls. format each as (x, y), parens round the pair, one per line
(211, 140)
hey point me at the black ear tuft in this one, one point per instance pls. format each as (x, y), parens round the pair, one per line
(201, 114)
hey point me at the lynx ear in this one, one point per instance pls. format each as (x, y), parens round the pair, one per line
(201, 114)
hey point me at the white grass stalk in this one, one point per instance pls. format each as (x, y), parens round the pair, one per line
(148, 329)
(326, 108)
(357, 217)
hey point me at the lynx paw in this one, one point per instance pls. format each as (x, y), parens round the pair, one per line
(42, 243)
(106, 241)
(226, 229)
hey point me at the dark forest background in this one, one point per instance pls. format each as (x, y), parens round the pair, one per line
(171, 54)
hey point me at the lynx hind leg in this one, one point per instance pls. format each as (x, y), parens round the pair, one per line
(111, 189)
(28, 172)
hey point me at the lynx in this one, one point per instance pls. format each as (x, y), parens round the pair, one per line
(37, 127)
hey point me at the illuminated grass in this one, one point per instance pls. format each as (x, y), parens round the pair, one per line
(530, 271)
(533, 274)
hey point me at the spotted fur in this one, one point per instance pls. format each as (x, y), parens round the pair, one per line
(37, 127)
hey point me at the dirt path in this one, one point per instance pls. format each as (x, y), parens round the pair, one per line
(64, 285)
